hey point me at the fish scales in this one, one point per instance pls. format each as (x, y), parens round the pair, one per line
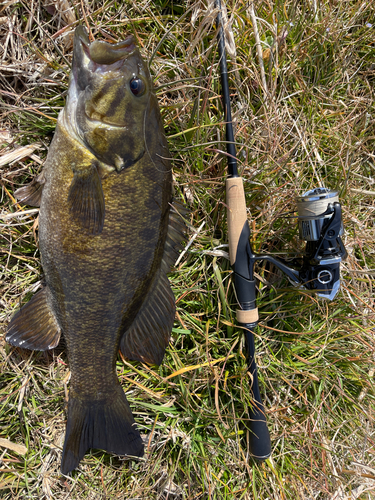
(107, 237)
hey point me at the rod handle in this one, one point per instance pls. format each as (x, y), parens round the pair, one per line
(259, 440)
(236, 213)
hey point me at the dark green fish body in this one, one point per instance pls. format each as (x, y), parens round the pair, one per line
(107, 238)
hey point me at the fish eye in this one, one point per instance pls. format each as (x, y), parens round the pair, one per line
(137, 86)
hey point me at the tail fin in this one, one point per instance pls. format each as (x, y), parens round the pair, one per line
(107, 424)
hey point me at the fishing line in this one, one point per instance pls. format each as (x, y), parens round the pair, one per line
(145, 141)
(167, 33)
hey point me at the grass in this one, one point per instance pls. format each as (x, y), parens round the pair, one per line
(314, 126)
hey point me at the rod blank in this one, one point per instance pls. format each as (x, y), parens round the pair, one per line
(240, 251)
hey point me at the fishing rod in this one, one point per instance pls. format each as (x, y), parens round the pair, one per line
(239, 250)
(318, 269)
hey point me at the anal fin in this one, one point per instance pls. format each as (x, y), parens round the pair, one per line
(148, 336)
(34, 326)
(86, 200)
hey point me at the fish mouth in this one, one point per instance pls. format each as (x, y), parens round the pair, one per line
(104, 53)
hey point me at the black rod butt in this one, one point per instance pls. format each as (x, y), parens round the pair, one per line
(259, 436)
(259, 439)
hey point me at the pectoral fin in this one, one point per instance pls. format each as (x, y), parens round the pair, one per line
(149, 334)
(31, 194)
(86, 200)
(34, 326)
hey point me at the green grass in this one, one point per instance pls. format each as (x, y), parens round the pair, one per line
(316, 358)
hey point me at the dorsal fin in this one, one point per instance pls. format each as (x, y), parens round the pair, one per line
(175, 235)
(148, 336)
(149, 333)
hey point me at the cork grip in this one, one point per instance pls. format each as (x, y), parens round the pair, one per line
(246, 317)
(236, 213)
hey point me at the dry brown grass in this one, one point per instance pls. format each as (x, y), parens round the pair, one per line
(315, 126)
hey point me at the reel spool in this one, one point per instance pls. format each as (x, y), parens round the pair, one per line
(312, 212)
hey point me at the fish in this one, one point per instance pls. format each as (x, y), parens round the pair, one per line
(109, 232)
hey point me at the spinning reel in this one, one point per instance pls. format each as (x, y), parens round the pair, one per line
(320, 225)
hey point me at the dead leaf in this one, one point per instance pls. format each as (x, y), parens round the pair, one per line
(18, 448)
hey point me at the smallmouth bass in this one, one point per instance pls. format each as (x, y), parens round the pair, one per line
(108, 235)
